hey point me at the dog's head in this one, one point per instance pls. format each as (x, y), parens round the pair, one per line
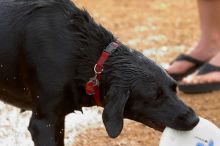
(138, 89)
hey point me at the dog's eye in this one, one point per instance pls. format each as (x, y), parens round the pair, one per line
(157, 99)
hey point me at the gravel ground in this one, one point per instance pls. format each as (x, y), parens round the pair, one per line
(13, 125)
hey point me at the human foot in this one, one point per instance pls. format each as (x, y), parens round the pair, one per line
(203, 51)
(194, 64)
(207, 78)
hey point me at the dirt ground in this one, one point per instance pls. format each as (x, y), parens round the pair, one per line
(160, 29)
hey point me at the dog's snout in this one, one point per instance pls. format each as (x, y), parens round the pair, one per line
(188, 120)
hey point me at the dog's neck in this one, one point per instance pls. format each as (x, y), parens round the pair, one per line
(93, 85)
(92, 39)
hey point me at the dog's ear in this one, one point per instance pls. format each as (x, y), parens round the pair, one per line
(113, 113)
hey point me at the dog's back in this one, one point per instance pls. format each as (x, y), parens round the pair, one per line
(26, 29)
(14, 17)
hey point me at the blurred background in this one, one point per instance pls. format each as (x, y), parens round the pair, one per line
(161, 29)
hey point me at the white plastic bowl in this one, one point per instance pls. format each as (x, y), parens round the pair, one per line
(204, 134)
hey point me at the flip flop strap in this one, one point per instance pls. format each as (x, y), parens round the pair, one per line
(183, 57)
(207, 68)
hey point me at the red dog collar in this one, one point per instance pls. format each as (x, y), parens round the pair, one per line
(92, 86)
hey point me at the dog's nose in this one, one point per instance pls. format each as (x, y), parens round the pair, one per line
(193, 122)
(188, 120)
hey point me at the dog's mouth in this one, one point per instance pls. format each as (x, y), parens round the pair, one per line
(156, 125)
(159, 126)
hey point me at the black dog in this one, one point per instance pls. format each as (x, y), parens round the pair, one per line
(48, 50)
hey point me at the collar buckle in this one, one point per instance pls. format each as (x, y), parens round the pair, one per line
(96, 70)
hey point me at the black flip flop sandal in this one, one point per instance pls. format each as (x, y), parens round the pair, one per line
(183, 57)
(205, 87)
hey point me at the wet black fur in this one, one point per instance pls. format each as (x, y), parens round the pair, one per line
(48, 49)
